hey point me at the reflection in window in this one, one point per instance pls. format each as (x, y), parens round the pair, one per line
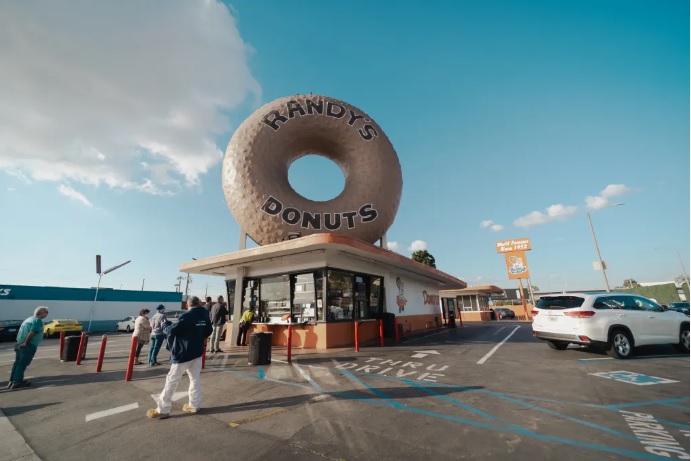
(275, 297)
(339, 296)
(375, 297)
(304, 308)
(361, 301)
(319, 289)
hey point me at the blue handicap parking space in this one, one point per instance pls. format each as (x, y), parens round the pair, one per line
(633, 378)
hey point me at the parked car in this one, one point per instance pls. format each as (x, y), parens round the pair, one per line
(504, 313)
(9, 329)
(126, 324)
(615, 322)
(57, 325)
(679, 307)
(174, 316)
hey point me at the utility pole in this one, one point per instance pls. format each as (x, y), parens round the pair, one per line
(177, 285)
(188, 279)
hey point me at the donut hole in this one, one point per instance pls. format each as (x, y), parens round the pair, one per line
(316, 177)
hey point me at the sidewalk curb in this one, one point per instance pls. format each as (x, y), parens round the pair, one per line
(16, 447)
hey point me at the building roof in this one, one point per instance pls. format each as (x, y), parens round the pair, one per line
(325, 242)
(474, 290)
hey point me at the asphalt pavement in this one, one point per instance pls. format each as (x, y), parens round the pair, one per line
(484, 391)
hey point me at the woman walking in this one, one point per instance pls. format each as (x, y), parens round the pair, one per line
(142, 330)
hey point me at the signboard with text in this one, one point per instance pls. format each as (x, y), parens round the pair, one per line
(522, 244)
(517, 265)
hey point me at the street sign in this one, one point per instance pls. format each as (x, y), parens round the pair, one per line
(522, 244)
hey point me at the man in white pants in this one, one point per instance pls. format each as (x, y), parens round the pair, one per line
(186, 342)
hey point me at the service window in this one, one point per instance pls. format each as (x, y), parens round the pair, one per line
(339, 296)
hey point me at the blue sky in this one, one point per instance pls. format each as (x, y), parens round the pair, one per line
(510, 119)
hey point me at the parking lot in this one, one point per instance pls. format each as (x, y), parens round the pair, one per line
(484, 391)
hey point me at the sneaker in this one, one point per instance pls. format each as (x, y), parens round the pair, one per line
(20, 385)
(218, 350)
(153, 414)
(155, 364)
(188, 409)
(138, 363)
(9, 385)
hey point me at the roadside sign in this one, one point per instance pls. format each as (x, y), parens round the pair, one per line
(517, 265)
(522, 244)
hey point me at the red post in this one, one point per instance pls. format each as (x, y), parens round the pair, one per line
(381, 332)
(82, 346)
(62, 343)
(204, 354)
(290, 341)
(395, 328)
(130, 361)
(101, 353)
(357, 344)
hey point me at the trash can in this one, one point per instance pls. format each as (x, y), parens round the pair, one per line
(260, 348)
(389, 321)
(71, 348)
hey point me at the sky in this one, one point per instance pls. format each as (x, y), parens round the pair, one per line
(510, 120)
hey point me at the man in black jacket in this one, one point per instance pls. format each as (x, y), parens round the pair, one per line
(218, 319)
(186, 342)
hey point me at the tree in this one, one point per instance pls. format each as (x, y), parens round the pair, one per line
(630, 283)
(423, 256)
(535, 288)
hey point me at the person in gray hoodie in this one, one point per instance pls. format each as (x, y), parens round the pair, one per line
(158, 321)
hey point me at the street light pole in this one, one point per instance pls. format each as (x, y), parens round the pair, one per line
(93, 305)
(681, 262)
(597, 249)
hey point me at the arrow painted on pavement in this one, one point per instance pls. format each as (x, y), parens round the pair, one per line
(421, 354)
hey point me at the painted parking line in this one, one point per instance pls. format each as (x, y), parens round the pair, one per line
(494, 349)
(258, 417)
(497, 332)
(642, 357)
(112, 411)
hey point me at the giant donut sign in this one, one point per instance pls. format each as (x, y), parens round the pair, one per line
(255, 171)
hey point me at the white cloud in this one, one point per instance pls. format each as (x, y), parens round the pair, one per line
(126, 94)
(497, 227)
(489, 223)
(11, 189)
(417, 245)
(393, 246)
(602, 200)
(486, 223)
(67, 191)
(556, 212)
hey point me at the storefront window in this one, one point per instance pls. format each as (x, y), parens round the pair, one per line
(339, 300)
(304, 303)
(361, 301)
(375, 297)
(319, 289)
(250, 296)
(275, 297)
(230, 293)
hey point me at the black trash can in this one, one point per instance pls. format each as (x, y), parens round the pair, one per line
(389, 324)
(260, 348)
(71, 348)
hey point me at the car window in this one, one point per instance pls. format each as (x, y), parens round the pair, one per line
(646, 304)
(608, 302)
(560, 302)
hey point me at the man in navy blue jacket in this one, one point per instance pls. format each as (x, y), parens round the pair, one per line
(186, 342)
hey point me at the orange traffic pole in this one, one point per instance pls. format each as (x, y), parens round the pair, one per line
(130, 361)
(381, 332)
(290, 341)
(62, 343)
(357, 345)
(395, 328)
(82, 347)
(101, 353)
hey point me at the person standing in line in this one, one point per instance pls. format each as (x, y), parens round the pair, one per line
(29, 336)
(245, 325)
(142, 330)
(208, 305)
(186, 340)
(158, 321)
(219, 314)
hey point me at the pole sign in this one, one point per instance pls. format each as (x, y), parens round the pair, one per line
(98, 264)
(504, 246)
(517, 265)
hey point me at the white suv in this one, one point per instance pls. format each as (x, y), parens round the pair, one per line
(617, 322)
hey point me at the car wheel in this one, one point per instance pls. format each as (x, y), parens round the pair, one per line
(558, 345)
(128, 329)
(621, 345)
(683, 344)
(49, 333)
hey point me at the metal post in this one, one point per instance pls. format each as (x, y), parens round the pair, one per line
(525, 307)
(130, 361)
(381, 333)
(62, 342)
(82, 348)
(101, 353)
(93, 305)
(683, 269)
(599, 258)
(357, 345)
(290, 341)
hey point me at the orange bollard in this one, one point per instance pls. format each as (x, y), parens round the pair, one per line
(82, 347)
(62, 343)
(381, 332)
(357, 344)
(130, 361)
(395, 328)
(101, 353)
(290, 340)
(204, 354)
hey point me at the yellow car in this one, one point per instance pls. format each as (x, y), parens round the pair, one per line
(58, 325)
